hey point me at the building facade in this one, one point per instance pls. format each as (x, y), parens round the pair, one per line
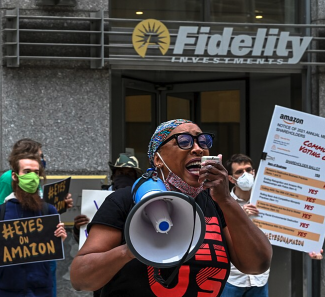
(92, 79)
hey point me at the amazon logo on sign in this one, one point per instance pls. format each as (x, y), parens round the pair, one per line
(291, 120)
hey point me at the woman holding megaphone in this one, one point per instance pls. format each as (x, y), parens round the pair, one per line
(105, 260)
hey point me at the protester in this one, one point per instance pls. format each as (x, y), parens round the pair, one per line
(125, 172)
(241, 174)
(27, 145)
(175, 150)
(33, 279)
(22, 146)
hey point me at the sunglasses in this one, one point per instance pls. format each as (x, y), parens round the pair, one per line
(185, 141)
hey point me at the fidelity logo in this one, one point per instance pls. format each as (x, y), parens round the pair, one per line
(150, 34)
(267, 46)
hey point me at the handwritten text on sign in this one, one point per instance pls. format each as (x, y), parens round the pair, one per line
(90, 202)
(29, 240)
(56, 193)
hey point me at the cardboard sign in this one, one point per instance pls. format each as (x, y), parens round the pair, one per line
(90, 202)
(55, 194)
(289, 189)
(30, 240)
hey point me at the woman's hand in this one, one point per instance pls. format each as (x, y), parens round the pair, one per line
(249, 249)
(60, 231)
(215, 177)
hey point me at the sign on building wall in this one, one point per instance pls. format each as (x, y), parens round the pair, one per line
(200, 45)
(289, 189)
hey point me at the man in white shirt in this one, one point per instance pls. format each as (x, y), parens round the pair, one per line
(241, 175)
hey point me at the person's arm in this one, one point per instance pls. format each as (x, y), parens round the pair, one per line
(250, 250)
(99, 259)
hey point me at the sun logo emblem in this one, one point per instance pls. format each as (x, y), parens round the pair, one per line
(150, 34)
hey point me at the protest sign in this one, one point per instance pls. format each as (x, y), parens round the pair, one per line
(90, 202)
(30, 240)
(55, 194)
(289, 189)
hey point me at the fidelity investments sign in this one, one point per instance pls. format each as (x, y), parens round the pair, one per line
(268, 46)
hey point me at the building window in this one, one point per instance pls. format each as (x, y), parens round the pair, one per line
(236, 11)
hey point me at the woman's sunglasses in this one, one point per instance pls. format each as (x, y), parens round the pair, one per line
(185, 141)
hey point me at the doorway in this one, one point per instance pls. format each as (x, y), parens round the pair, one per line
(216, 106)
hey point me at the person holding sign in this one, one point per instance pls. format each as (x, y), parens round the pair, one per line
(241, 174)
(175, 152)
(32, 279)
(25, 145)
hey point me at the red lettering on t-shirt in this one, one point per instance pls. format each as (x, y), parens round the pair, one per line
(221, 253)
(212, 229)
(203, 253)
(207, 280)
(178, 291)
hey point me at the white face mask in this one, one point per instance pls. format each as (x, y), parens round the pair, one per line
(245, 181)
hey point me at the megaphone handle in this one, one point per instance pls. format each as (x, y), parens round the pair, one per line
(156, 274)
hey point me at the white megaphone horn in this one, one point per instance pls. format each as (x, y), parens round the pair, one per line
(163, 226)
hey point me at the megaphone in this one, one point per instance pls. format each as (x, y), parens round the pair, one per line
(160, 229)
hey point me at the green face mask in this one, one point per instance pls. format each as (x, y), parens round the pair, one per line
(28, 182)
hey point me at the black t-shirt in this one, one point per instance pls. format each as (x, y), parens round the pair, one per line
(205, 274)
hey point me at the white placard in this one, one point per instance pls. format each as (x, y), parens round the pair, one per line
(90, 202)
(289, 189)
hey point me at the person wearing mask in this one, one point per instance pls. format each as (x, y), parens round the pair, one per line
(27, 145)
(241, 175)
(22, 146)
(32, 279)
(125, 172)
(174, 152)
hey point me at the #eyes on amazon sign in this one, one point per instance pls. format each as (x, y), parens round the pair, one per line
(267, 46)
(29, 240)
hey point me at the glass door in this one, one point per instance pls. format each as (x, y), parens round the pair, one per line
(217, 107)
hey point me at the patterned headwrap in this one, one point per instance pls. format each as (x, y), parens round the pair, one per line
(161, 133)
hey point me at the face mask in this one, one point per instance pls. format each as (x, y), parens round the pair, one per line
(122, 181)
(174, 183)
(245, 181)
(28, 182)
